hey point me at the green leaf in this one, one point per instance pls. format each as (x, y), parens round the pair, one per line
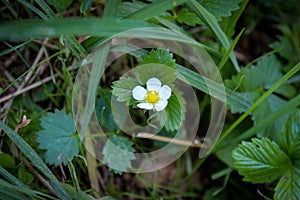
(122, 88)
(175, 111)
(260, 161)
(59, 137)
(7, 160)
(220, 8)
(255, 77)
(118, 153)
(252, 82)
(60, 5)
(289, 185)
(270, 105)
(290, 136)
(25, 176)
(188, 17)
(126, 8)
(104, 113)
(77, 195)
(288, 44)
(161, 56)
(162, 72)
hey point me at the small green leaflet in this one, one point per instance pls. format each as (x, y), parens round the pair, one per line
(118, 153)
(161, 56)
(260, 160)
(122, 88)
(290, 137)
(220, 8)
(188, 17)
(58, 137)
(175, 112)
(162, 72)
(288, 45)
(217, 8)
(289, 185)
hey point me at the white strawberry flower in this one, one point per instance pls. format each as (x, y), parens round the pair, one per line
(155, 97)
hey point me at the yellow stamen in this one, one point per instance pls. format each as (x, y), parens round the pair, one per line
(152, 96)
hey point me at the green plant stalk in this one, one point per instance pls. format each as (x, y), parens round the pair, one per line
(288, 75)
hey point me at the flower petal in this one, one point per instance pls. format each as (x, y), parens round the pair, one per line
(153, 84)
(165, 92)
(160, 105)
(139, 93)
(147, 106)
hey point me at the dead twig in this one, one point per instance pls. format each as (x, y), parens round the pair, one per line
(195, 143)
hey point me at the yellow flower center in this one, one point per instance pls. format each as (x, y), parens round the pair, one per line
(152, 96)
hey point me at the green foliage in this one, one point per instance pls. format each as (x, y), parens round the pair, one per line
(260, 160)
(24, 175)
(220, 8)
(118, 153)
(263, 161)
(60, 5)
(165, 74)
(217, 8)
(104, 113)
(252, 82)
(290, 137)
(58, 137)
(289, 185)
(188, 17)
(122, 88)
(288, 45)
(175, 112)
(7, 160)
(160, 56)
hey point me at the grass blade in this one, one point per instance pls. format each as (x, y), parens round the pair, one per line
(212, 23)
(54, 28)
(288, 75)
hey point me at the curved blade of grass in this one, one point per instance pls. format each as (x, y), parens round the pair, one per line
(15, 31)
(288, 75)
(35, 159)
(12, 179)
(287, 107)
(33, 8)
(229, 51)
(14, 48)
(212, 23)
(25, 190)
(200, 82)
